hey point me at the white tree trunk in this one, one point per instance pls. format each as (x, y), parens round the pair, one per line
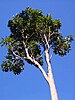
(48, 77)
(52, 86)
(51, 83)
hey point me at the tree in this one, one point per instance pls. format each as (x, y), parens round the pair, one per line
(34, 37)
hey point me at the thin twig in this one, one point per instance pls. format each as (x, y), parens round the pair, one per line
(51, 55)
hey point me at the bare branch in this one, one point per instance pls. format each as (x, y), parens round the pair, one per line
(51, 55)
(17, 56)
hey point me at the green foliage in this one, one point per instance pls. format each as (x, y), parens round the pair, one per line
(16, 66)
(12, 64)
(29, 27)
(61, 45)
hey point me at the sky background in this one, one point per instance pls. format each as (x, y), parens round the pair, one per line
(30, 84)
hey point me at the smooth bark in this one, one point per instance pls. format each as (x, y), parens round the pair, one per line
(48, 76)
(51, 83)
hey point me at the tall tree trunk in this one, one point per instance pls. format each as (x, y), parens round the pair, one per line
(51, 83)
(54, 95)
(49, 78)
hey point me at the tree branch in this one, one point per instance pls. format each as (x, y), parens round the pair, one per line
(36, 63)
(17, 56)
(50, 34)
(47, 44)
(51, 55)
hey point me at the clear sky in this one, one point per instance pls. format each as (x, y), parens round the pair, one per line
(30, 85)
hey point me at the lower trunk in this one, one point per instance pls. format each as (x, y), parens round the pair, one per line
(51, 83)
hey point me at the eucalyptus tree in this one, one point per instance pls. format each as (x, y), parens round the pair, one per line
(34, 38)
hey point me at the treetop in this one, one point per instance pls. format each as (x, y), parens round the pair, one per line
(34, 32)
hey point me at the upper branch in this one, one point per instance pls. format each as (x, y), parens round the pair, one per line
(47, 44)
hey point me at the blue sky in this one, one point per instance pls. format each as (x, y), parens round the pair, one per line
(30, 85)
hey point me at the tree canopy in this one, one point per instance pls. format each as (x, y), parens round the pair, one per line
(31, 33)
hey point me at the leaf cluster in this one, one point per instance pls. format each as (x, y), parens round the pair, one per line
(12, 63)
(61, 45)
